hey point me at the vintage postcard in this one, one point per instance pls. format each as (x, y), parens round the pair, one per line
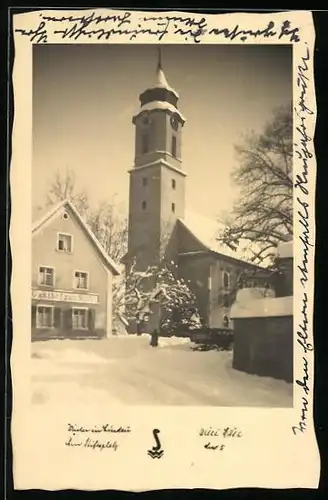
(162, 231)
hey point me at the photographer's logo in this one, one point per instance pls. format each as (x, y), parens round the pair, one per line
(156, 451)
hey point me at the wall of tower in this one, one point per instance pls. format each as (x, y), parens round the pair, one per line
(172, 207)
(159, 135)
(144, 216)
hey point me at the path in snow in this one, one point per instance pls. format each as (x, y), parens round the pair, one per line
(126, 370)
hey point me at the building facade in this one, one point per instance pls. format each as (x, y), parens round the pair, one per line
(263, 326)
(71, 278)
(160, 225)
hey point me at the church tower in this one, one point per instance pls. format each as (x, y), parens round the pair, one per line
(157, 181)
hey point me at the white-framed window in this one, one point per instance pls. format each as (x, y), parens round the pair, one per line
(46, 276)
(79, 318)
(81, 279)
(65, 242)
(225, 279)
(44, 316)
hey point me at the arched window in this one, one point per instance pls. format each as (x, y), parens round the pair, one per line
(174, 146)
(226, 279)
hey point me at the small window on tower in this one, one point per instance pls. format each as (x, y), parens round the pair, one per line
(225, 301)
(144, 144)
(144, 205)
(173, 183)
(174, 146)
(144, 181)
(173, 207)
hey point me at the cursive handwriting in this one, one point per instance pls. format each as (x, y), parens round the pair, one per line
(303, 214)
(303, 155)
(103, 428)
(301, 427)
(94, 444)
(225, 432)
(131, 26)
(95, 437)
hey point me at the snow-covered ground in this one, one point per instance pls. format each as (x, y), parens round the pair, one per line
(126, 370)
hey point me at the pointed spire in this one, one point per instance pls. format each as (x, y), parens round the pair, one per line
(160, 76)
(159, 63)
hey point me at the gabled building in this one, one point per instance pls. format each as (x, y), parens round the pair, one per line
(71, 278)
(160, 226)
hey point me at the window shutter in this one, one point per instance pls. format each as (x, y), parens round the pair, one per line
(68, 319)
(57, 317)
(91, 319)
(33, 315)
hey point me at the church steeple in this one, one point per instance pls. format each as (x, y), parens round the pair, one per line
(157, 181)
(160, 78)
(159, 64)
(160, 92)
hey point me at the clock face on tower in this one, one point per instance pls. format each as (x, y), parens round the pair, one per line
(174, 122)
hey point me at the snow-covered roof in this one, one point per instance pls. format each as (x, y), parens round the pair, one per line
(161, 82)
(206, 231)
(285, 250)
(161, 105)
(36, 226)
(262, 307)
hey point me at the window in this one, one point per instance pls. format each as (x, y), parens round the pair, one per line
(64, 243)
(144, 144)
(144, 181)
(173, 183)
(173, 207)
(225, 301)
(80, 319)
(46, 276)
(45, 317)
(174, 146)
(226, 279)
(144, 205)
(81, 279)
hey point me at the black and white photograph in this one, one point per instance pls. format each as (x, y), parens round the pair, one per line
(162, 238)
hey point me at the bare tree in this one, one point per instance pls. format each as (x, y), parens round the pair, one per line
(263, 214)
(105, 221)
(110, 229)
(63, 187)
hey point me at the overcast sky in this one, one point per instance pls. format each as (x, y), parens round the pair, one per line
(84, 97)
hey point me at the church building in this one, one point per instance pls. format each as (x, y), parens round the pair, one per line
(160, 224)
